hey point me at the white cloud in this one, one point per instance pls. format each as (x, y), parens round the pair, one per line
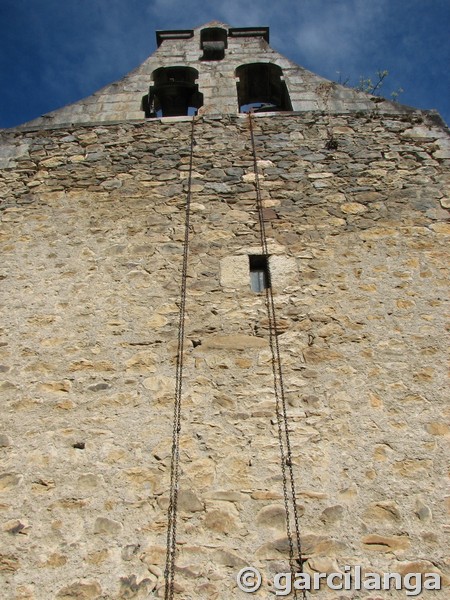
(330, 33)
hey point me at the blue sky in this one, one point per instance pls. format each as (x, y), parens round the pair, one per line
(54, 52)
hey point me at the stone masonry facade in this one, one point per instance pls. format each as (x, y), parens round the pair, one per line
(91, 244)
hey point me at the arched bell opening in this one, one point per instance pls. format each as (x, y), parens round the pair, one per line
(261, 88)
(174, 93)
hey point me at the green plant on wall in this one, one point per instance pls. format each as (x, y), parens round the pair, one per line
(372, 85)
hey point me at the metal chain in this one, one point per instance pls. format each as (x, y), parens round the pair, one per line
(295, 556)
(169, 572)
(281, 410)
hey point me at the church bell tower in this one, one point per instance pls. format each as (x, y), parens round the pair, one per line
(223, 280)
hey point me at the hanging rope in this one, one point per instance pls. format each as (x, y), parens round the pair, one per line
(169, 573)
(295, 547)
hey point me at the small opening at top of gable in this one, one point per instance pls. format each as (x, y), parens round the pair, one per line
(213, 41)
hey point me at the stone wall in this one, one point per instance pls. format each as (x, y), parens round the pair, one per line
(91, 242)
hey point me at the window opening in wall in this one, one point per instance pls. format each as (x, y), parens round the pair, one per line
(261, 88)
(173, 94)
(213, 41)
(259, 272)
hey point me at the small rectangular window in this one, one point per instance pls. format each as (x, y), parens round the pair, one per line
(259, 272)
